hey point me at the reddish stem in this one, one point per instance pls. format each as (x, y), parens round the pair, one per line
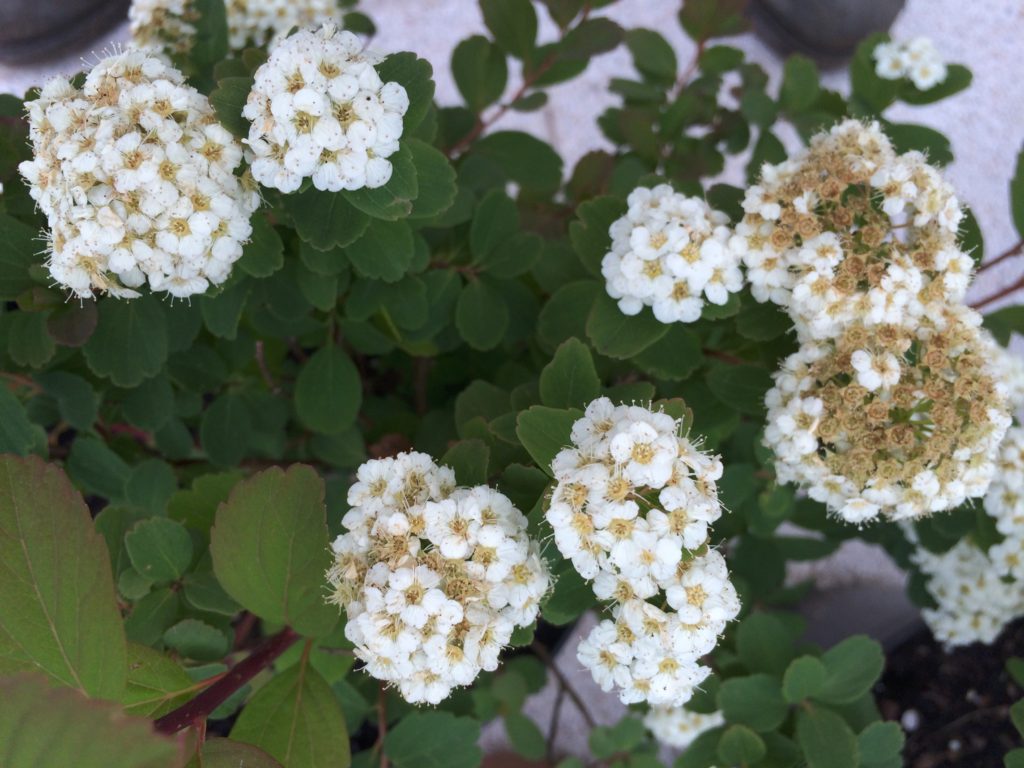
(1013, 250)
(999, 294)
(202, 705)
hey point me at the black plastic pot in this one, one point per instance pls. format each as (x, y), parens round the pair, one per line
(37, 30)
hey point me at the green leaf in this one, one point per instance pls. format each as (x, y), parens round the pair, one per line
(704, 19)
(589, 232)
(873, 92)
(764, 643)
(851, 668)
(42, 725)
(263, 255)
(434, 740)
(328, 391)
(588, 39)
(564, 315)
(226, 753)
(58, 609)
(393, 200)
(826, 739)
(436, 178)
(740, 746)
(210, 41)
(97, 469)
(880, 746)
(1005, 322)
(969, 237)
(513, 24)
(1017, 195)
(156, 684)
(624, 736)
(19, 250)
(270, 550)
(228, 100)
(325, 220)
(481, 314)
(1017, 716)
(469, 459)
(225, 430)
(196, 506)
(495, 221)
(545, 431)
(800, 87)
(29, 344)
(416, 76)
(958, 77)
(385, 251)
(1015, 666)
(762, 322)
(296, 719)
(17, 434)
(1014, 758)
(621, 336)
(804, 678)
(223, 312)
(907, 136)
(195, 639)
(129, 344)
(652, 54)
(755, 701)
(76, 399)
(742, 387)
(570, 596)
(570, 379)
(151, 615)
(524, 736)
(160, 549)
(524, 159)
(203, 592)
(480, 71)
(674, 356)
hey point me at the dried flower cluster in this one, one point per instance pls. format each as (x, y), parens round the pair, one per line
(678, 727)
(918, 60)
(137, 179)
(168, 25)
(889, 420)
(670, 252)
(319, 110)
(849, 231)
(631, 510)
(433, 578)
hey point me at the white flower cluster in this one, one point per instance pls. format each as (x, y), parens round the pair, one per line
(433, 578)
(917, 59)
(137, 180)
(166, 25)
(850, 231)
(319, 110)
(632, 494)
(670, 252)
(890, 420)
(678, 727)
(978, 593)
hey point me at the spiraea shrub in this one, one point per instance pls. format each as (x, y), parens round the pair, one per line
(331, 413)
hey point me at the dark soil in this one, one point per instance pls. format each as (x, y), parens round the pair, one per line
(954, 706)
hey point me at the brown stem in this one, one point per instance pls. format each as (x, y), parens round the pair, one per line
(556, 711)
(382, 724)
(999, 294)
(21, 381)
(543, 655)
(725, 357)
(482, 124)
(1014, 250)
(244, 628)
(261, 362)
(207, 701)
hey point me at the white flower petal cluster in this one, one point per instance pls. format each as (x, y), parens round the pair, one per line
(979, 593)
(137, 180)
(850, 231)
(889, 420)
(166, 25)
(670, 252)
(319, 110)
(433, 578)
(917, 59)
(631, 510)
(679, 727)
(1009, 369)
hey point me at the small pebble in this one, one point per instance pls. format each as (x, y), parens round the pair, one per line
(911, 720)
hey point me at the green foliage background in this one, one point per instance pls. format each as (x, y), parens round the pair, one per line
(459, 310)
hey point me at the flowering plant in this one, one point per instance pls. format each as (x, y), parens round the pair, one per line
(329, 410)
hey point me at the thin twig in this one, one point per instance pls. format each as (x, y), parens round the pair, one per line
(1014, 250)
(382, 724)
(556, 711)
(207, 701)
(261, 362)
(21, 381)
(544, 656)
(1002, 293)
(725, 357)
(482, 123)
